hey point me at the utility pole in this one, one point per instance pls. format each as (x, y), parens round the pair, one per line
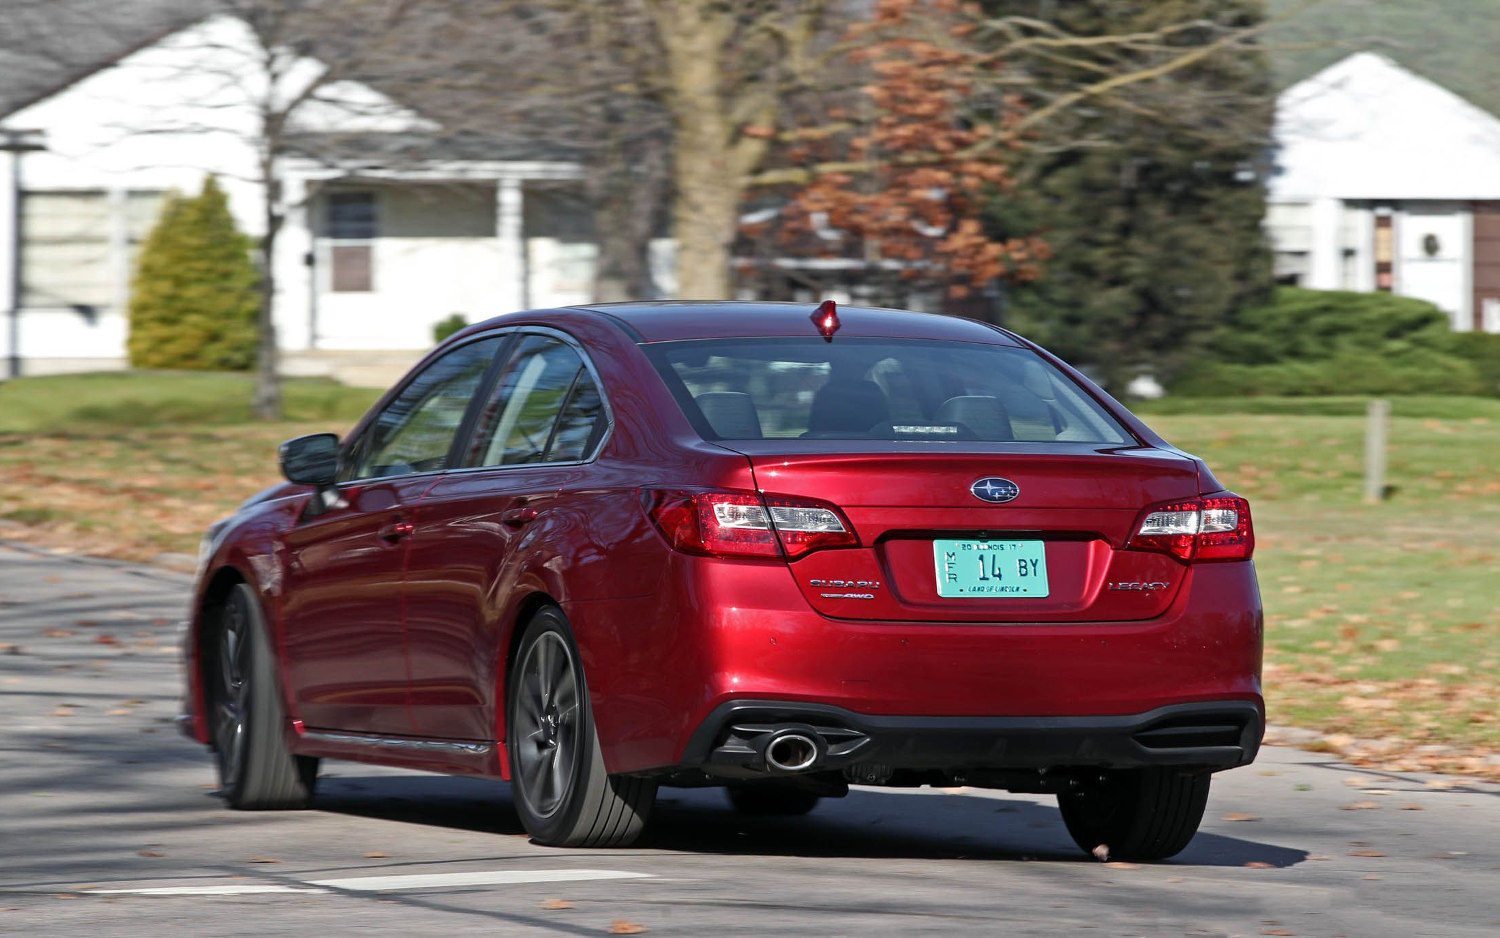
(17, 142)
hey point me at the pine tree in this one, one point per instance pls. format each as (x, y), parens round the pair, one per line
(1151, 198)
(194, 298)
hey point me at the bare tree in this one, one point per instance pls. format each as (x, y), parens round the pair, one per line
(658, 98)
(304, 50)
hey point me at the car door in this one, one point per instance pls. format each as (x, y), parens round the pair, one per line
(343, 599)
(544, 416)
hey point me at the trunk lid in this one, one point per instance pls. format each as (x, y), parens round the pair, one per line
(931, 550)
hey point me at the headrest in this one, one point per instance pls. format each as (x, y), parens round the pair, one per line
(731, 414)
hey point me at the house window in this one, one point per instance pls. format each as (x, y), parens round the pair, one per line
(1385, 253)
(352, 229)
(80, 246)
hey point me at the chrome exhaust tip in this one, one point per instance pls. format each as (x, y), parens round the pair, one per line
(790, 750)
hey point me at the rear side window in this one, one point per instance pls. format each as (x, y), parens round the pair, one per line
(879, 389)
(545, 408)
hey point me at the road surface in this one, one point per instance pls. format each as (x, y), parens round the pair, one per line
(110, 826)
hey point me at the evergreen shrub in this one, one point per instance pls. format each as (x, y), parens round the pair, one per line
(1315, 342)
(443, 328)
(195, 297)
(1482, 351)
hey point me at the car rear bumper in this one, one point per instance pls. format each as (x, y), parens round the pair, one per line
(1216, 735)
(661, 667)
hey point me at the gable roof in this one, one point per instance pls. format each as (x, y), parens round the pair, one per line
(49, 45)
(1366, 128)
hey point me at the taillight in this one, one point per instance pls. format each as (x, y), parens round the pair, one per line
(745, 524)
(1213, 528)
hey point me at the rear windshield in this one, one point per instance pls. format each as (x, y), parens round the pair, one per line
(878, 389)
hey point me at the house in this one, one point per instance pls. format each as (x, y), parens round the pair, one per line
(1386, 181)
(389, 228)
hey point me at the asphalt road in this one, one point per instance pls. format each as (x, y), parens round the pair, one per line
(109, 826)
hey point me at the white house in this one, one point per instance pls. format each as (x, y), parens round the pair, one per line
(1386, 181)
(377, 246)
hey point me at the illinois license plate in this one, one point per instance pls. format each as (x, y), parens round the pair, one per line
(990, 569)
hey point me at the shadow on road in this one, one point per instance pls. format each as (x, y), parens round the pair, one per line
(867, 824)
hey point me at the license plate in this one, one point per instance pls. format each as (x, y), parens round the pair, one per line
(990, 569)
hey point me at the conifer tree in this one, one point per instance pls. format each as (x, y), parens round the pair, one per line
(194, 297)
(1150, 197)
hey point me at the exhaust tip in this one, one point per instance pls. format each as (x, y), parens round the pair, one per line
(792, 751)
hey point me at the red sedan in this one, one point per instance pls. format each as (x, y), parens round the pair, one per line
(599, 550)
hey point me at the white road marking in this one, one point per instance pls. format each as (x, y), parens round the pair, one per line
(225, 889)
(490, 878)
(382, 883)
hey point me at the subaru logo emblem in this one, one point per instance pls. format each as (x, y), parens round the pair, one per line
(995, 490)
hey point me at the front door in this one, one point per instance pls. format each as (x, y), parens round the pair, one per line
(344, 608)
(345, 642)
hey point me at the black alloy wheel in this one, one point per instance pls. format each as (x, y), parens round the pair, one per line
(563, 794)
(247, 723)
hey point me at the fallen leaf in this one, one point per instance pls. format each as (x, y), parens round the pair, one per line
(551, 905)
(151, 853)
(1240, 817)
(376, 855)
(118, 712)
(1316, 857)
(1365, 853)
(263, 860)
(1360, 806)
(1276, 931)
(62, 712)
(106, 639)
(621, 927)
(1412, 807)
(1439, 856)
(1259, 865)
(56, 633)
(1122, 865)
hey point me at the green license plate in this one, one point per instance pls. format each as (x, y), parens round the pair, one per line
(990, 569)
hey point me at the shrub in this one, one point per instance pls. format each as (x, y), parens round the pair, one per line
(195, 296)
(1482, 351)
(443, 328)
(1316, 342)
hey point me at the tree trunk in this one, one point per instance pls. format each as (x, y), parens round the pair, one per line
(626, 189)
(709, 185)
(266, 401)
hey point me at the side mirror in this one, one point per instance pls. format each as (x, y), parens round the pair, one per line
(311, 459)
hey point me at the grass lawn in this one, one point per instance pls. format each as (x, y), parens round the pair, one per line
(136, 465)
(1381, 620)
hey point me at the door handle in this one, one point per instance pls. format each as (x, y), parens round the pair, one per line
(517, 516)
(396, 530)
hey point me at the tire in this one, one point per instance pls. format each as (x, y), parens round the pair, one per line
(1142, 814)
(770, 798)
(248, 726)
(561, 790)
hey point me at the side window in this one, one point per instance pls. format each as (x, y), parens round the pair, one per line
(545, 408)
(414, 431)
(582, 422)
